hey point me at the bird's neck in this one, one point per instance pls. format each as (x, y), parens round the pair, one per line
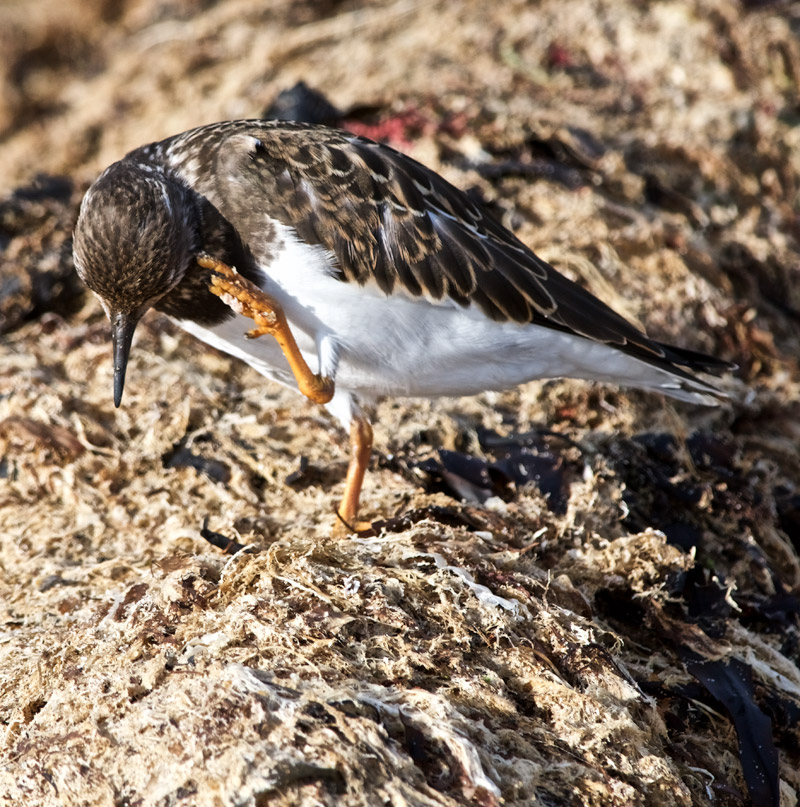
(191, 299)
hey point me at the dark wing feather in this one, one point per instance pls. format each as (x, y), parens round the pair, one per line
(393, 222)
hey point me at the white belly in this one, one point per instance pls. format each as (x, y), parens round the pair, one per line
(374, 344)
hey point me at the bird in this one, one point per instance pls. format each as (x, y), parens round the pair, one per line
(365, 274)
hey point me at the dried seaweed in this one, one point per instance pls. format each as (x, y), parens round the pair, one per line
(513, 627)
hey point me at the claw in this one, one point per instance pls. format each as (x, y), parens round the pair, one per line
(243, 297)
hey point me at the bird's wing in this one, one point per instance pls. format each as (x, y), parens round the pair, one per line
(392, 222)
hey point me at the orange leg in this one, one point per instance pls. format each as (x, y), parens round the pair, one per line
(360, 450)
(247, 299)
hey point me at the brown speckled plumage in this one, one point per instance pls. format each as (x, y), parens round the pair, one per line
(386, 220)
(389, 221)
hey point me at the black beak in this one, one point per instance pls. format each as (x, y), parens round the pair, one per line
(122, 328)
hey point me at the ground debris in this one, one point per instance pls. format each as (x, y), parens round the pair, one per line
(602, 610)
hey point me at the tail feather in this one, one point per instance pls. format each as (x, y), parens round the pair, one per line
(676, 375)
(672, 373)
(695, 360)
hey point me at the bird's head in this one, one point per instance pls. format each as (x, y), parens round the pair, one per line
(134, 241)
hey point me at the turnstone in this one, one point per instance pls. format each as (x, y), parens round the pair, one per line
(357, 262)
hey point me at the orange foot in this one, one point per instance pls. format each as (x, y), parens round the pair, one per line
(247, 299)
